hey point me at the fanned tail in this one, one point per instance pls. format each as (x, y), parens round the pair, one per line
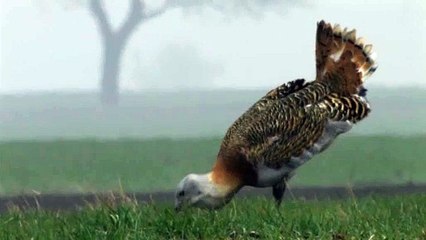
(343, 61)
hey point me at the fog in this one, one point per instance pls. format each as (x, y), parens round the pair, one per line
(46, 46)
(191, 70)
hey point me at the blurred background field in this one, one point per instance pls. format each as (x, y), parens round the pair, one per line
(153, 139)
(76, 166)
(70, 143)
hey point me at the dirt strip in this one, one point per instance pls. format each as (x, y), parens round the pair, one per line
(68, 202)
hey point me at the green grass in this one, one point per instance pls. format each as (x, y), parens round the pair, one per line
(147, 165)
(402, 217)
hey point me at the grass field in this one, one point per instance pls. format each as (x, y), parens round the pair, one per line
(152, 165)
(402, 217)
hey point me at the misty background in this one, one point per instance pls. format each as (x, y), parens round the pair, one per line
(189, 68)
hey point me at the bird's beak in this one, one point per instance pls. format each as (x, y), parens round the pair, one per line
(178, 206)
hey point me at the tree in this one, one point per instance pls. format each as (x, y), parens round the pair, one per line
(114, 41)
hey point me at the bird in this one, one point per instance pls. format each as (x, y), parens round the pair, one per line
(289, 125)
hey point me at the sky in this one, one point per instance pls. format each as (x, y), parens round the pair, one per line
(47, 46)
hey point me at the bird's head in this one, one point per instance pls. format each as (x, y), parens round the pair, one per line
(203, 192)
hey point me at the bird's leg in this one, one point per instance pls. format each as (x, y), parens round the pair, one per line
(278, 191)
(279, 188)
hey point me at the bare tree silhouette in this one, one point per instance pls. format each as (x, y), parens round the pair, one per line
(114, 41)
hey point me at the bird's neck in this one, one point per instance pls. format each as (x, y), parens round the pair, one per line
(222, 184)
(230, 173)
